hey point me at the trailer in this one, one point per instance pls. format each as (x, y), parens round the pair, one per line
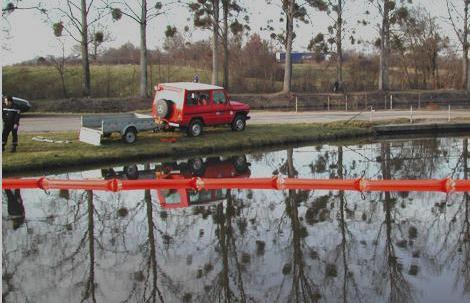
(96, 127)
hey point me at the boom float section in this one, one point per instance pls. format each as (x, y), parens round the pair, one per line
(446, 185)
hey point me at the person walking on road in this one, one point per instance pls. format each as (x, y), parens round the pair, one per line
(11, 122)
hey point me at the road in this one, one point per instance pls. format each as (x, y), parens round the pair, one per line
(52, 123)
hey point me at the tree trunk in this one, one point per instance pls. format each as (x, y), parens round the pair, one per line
(384, 84)
(466, 70)
(215, 44)
(86, 86)
(286, 88)
(339, 43)
(226, 51)
(143, 50)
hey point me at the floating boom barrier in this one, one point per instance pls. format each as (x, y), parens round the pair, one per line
(446, 185)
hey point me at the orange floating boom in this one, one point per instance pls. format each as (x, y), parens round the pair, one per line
(277, 183)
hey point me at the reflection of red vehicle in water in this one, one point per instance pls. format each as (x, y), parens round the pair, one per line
(235, 167)
(213, 167)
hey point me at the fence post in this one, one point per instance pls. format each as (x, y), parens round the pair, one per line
(366, 102)
(296, 101)
(411, 114)
(448, 118)
(346, 102)
(385, 99)
(419, 100)
(328, 102)
(371, 114)
(391, 101)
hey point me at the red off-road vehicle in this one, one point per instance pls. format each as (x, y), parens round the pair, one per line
(192, 106)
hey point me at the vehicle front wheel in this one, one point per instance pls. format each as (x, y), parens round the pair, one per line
(195, 128)
(239, 123)
(130, 136)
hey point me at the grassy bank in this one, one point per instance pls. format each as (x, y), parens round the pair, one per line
(44, 157)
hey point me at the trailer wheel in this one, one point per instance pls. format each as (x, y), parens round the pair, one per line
(130, 136)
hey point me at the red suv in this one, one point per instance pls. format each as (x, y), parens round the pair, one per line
(191, 106)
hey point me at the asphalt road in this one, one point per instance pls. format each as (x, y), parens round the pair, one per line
(53, 123)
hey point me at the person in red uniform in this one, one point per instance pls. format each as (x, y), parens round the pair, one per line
(11, 122)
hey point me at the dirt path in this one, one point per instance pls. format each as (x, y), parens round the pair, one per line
(54, 123)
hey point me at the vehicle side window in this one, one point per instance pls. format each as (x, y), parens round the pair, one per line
(218, 97)
(197, 98)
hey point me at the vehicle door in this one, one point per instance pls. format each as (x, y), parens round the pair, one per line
(197, 104)
(220, 107)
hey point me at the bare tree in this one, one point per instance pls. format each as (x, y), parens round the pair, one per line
(291, 10)
(59, 65)
(391, 13)
(207, 16)
(11, 6)
(147, 13)
(460, 24)
(79, 16)
(335, 10)
(230, 7)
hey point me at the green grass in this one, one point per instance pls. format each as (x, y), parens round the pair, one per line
(44, 157)
(43, 82)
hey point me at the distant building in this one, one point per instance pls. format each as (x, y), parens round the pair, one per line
(297, 57)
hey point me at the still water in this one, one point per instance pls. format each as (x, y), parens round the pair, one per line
(248, 245)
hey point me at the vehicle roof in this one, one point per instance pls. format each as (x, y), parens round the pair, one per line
(192, 86)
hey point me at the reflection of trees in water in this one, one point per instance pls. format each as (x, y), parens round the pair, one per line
(399, 288)
(456, 244)
(223, 289)
(150, 278)
(349, 281)
(303, 288)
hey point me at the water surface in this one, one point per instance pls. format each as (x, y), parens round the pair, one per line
(249, 245)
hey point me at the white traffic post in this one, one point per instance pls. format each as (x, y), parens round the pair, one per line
(411, 114)
(448, 118)
(296, 101)
(391, 101)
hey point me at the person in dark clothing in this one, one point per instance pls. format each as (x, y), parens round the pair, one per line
(336, 87)
(15, 207)
(11, 122)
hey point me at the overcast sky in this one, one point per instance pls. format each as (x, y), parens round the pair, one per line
(30, 34)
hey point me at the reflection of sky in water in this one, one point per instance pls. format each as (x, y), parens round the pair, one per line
(261, 246)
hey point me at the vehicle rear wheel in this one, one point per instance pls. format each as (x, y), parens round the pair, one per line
(195, 128)
(130, 136)
(132, 172)
(197, 166)
(239, 123)
(240, 163)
